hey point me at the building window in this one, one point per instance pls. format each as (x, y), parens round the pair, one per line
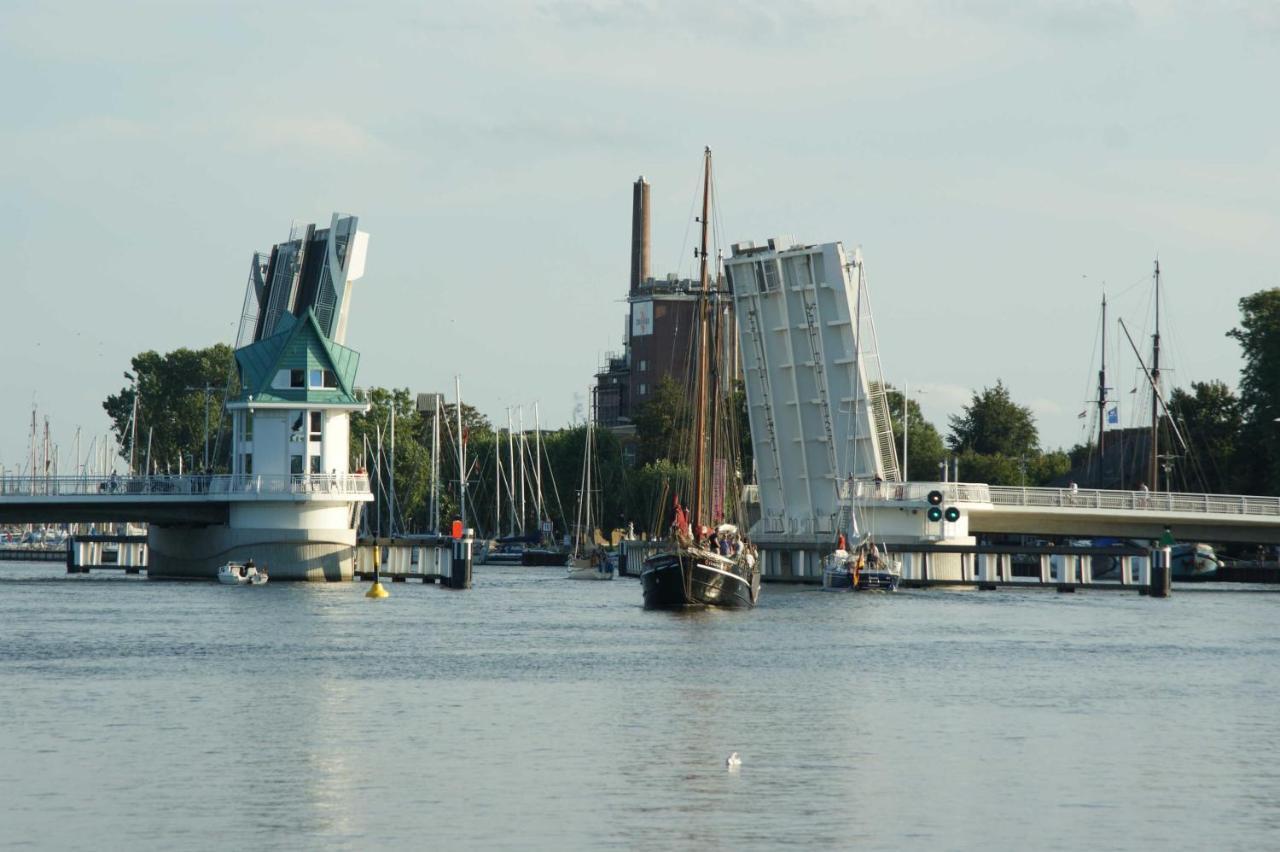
(297, 378)
(248, 427)
(246, 463)
(317, 419)
(644, 389)
(321, 379)
(315, 464)
(295, 465)
(644, 365)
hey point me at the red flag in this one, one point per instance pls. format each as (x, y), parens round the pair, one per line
(682, 520)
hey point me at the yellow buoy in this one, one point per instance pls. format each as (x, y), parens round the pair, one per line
(376, 590)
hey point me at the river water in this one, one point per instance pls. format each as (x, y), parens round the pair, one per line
(536, 713)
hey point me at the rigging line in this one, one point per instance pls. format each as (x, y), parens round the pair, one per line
(1144, 277)
(688, 223)
(1089, 427)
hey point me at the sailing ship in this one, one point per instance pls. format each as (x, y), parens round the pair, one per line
(710, 563)
(588, 561)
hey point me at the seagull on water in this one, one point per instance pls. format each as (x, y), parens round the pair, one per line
(732, 762)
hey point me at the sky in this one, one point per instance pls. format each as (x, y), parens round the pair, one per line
(1001, 163)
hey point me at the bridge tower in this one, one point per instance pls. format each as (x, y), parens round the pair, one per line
(292, 499)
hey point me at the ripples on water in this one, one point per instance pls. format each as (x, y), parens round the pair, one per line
(533, 712)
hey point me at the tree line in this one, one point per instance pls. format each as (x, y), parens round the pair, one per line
(1232, 440)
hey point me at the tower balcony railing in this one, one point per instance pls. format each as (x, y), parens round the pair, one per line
(186, 486)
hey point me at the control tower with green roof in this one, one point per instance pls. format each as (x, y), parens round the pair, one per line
(295, 501)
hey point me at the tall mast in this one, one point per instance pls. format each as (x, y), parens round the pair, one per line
(462, 456)
(435, 468)
(1154, 472)
(857, 393)
(391, 472)
(511, 470)
(700, 374)
(537, 463)
(1102, 389)
(497, 483)
(523, 453)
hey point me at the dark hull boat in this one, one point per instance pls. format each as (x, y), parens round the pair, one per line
(843, 578)
(715, 581)
(544, 556)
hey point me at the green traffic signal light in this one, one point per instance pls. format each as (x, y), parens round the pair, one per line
(953, 514)
(935, 514)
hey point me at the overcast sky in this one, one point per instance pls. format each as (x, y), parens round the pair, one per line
(1000, 162)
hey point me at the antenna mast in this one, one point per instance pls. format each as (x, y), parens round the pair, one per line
(700, 380)
(1154, 471)
(1102, 389)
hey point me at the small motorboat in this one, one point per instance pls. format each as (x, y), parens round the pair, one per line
(242, 574)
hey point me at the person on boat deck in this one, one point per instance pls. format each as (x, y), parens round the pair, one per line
(841, 543)
(726, 546)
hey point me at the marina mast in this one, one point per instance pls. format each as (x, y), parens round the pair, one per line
(700, 371)
(1154, 471)
(1102, 392)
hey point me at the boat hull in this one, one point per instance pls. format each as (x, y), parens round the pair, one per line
(1194, 562)
(539, 556)
(503, 556)
(591, 573)
(662, 579)
(838, 575)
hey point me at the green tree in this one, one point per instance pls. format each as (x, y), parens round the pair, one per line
(924, 445)
(659, 421)
(1259, 339)
(1209, 419)
(649, 492)
(411, 461)
(172, 406)
(993, 424)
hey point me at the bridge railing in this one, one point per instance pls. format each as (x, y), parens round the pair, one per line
(952, 492)
(183, 486)
(1135, 501)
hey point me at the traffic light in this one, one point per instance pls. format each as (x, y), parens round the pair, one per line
(935, 498)
(935, 514)
(953, 514)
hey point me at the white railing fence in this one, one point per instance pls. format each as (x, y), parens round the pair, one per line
(182, 486)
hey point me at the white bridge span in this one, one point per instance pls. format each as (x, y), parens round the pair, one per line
(899, 511)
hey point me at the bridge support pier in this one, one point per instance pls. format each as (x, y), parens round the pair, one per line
(182, 553)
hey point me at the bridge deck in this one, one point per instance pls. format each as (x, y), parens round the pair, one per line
(198, 498)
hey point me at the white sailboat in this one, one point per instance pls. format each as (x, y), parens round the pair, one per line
(864, 565)
(588, 561)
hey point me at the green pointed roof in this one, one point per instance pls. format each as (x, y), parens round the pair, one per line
(302, 346)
